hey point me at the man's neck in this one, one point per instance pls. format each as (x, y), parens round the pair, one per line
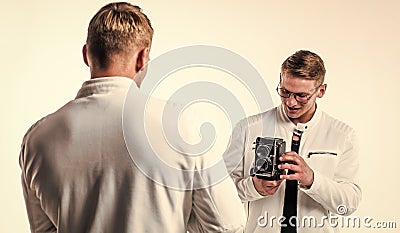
(111, 73)
(114, 73)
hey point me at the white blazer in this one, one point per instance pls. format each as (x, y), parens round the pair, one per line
(88, 167)
(328, 146)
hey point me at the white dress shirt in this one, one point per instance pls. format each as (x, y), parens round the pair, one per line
(327, 145)
(78, 174)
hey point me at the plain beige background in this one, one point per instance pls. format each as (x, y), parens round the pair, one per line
(42, 69)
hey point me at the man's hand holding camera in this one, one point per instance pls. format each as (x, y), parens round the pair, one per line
(302, 172)
(291, 161)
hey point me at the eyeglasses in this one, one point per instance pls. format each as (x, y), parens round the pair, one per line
(302, 98)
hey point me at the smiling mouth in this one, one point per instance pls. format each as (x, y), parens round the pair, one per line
(293, 109)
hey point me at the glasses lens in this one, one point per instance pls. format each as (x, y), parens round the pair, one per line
(286, 94)
(301, 99)
(283, 93)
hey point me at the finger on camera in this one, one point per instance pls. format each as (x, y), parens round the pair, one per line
(290, 158)
(290, 166)
(289, 177)
(290, 153)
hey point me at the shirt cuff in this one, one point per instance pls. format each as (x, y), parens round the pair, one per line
(315, 185)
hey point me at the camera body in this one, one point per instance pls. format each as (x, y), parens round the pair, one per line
(268, 150)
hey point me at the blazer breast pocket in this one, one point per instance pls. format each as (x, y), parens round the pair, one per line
(324, 162)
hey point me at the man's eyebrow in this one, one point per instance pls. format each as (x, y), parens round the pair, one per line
(297, 93)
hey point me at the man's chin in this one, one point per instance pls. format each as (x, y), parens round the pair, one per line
(293, 113)
(293, 117)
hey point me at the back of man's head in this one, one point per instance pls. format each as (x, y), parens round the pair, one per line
(117, 30)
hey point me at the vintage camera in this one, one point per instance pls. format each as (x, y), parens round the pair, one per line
(267, 153)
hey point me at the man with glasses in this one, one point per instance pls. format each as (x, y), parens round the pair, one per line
(320, 164)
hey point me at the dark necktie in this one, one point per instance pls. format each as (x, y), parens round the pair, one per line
(290, 202)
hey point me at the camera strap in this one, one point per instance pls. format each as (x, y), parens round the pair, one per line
(289, 225)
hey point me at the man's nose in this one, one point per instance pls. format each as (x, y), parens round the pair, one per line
(291, 100)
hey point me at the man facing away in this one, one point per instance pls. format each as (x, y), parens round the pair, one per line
(323, 172)
(78, 174)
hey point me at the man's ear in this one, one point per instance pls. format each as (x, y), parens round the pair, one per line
(142, 59)
(322, 90)
(85, 55)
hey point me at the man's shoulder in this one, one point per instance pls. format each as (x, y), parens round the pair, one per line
(46, 125)
(335, 125)
(33, 129)
(258, 118)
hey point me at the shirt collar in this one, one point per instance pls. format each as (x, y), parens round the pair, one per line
(105, 85)
(284, 120)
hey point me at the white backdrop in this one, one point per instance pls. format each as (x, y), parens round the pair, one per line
(42, 69)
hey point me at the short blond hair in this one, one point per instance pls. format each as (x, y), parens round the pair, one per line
(305, 64)
(117, 29)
